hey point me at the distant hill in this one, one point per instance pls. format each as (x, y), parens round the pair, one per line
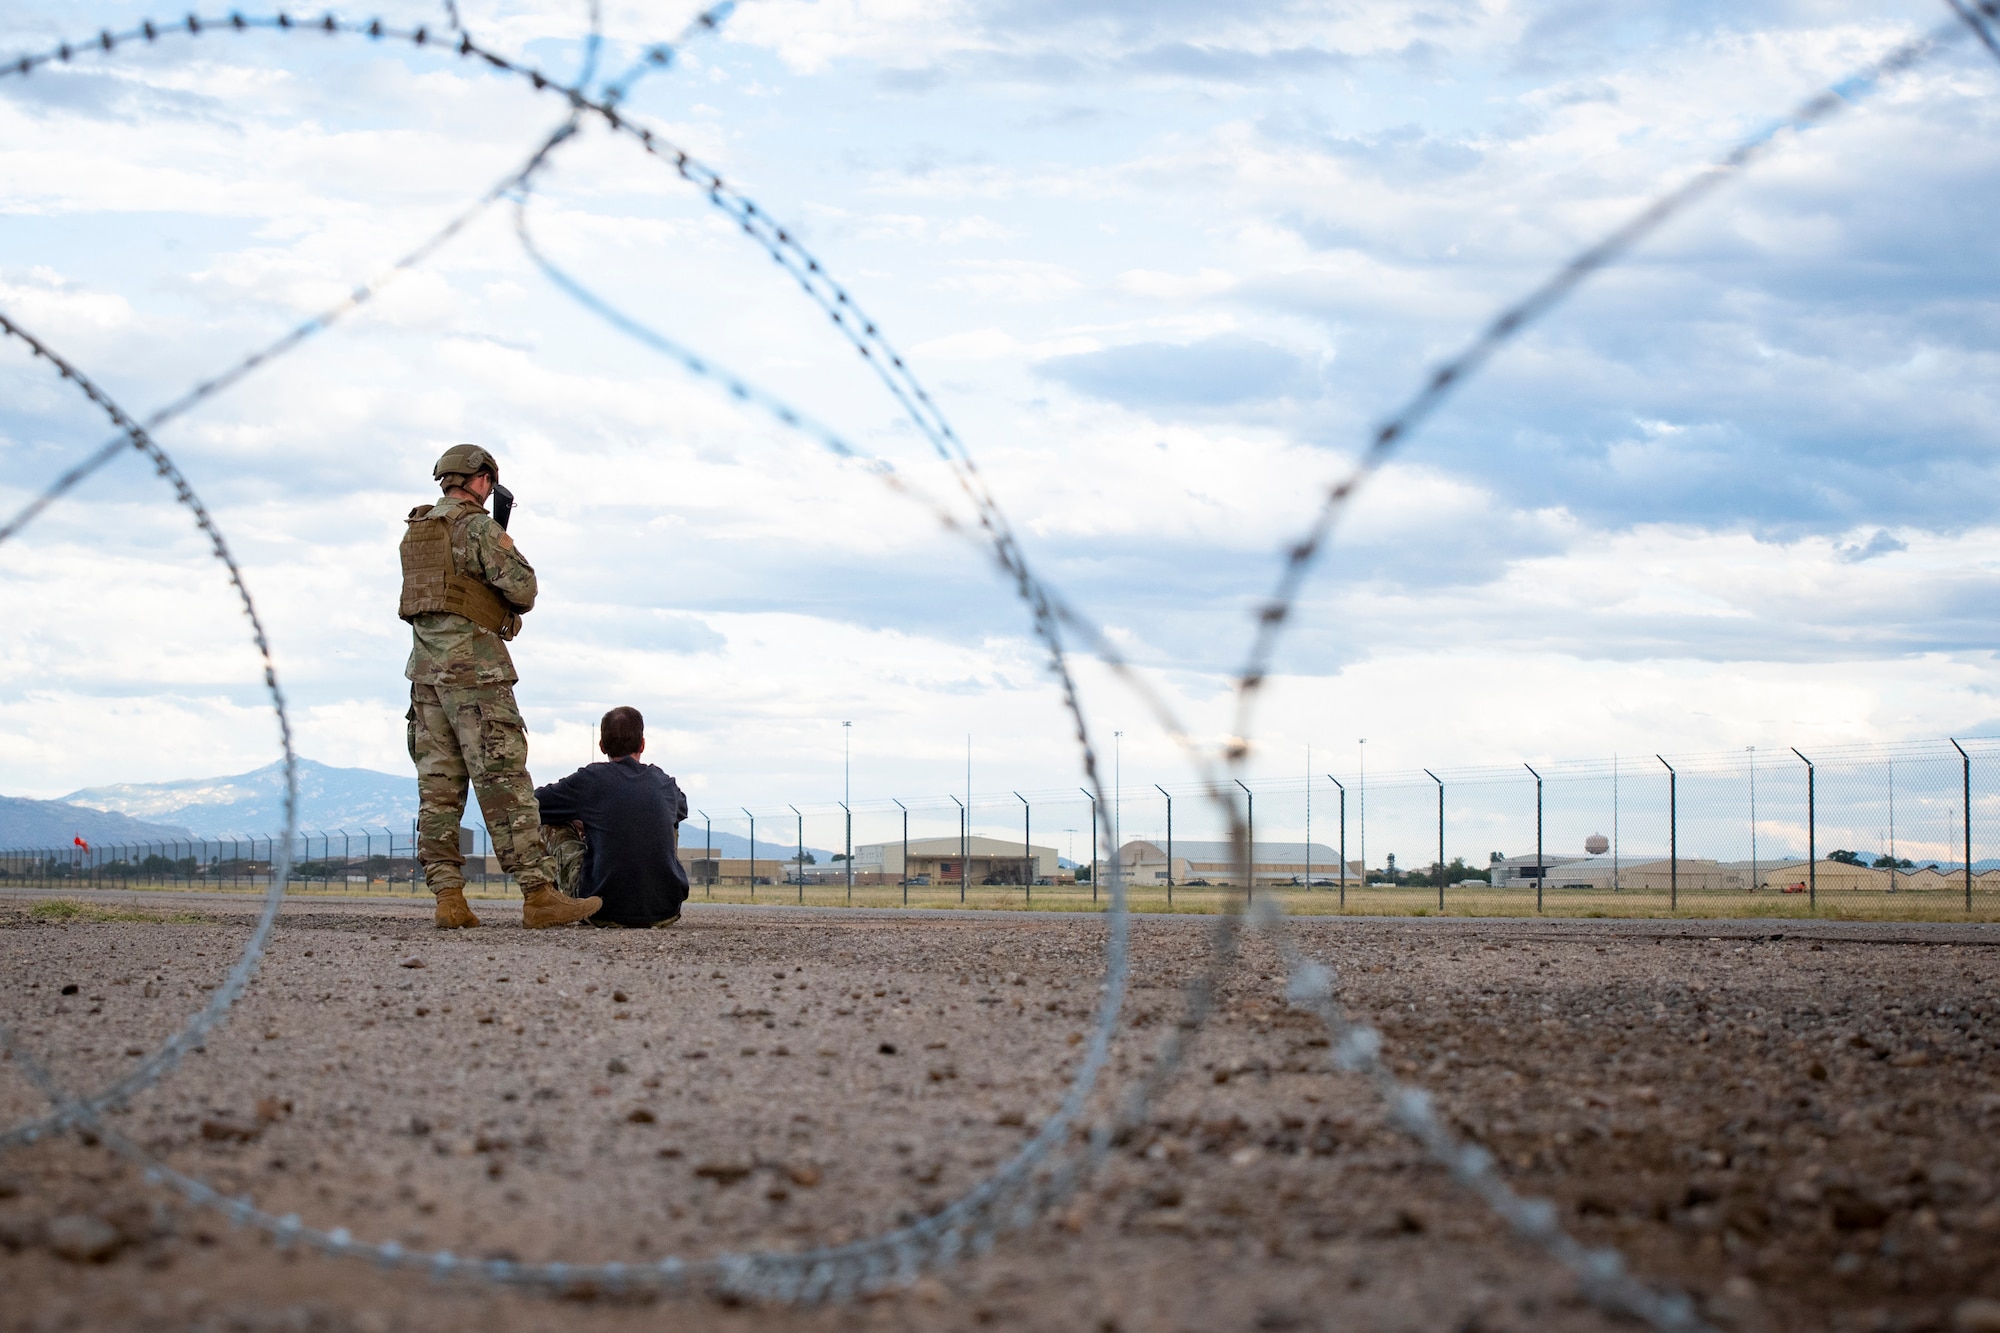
(253, 804)
(734, 846)
(34, 825)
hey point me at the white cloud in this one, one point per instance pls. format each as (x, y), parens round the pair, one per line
(1177, 286)
(1022, 280)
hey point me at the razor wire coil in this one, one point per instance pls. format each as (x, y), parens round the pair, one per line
(973, 1220)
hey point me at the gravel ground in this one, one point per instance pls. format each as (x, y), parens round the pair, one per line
(1800, 1124)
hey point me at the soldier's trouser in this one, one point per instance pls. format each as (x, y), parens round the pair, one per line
(475, 734)
(566, 845)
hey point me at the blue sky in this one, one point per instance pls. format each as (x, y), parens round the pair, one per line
(1163, 265)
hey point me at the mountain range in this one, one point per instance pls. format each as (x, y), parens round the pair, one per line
(253, 804)
(40, 824)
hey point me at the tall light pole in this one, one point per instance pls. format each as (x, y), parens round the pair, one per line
(1170, 841)
(1363, 794)
(847, 795)
(753, 851)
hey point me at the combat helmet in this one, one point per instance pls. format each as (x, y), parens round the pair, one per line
(463, 461)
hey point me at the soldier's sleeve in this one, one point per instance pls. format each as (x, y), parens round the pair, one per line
(501, 563)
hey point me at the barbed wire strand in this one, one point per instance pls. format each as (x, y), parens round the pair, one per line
(784, 248)
(1977, 22)
(1356, 1048)
(292, 339)
(195, 1030)
(1512, 321)
(662, 56)
(137, 435)
(704, 23)
(947, 1225)
(1467, 363)
(831, 1273)
(837, 319)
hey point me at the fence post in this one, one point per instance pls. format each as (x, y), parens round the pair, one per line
(1812, 834)
(1965, 770)
(963, 833)
(1540, 868)
(1673, 837)
(1343, 839)
(1440, 861)
(1250, 843)
(753, 852)
(708, 850)
(906, 850)
(849, 835)
(802, 852)
(1027, 852)
(1093, 841)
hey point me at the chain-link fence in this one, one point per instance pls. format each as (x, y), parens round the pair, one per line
(337, 860)
(1888, 831)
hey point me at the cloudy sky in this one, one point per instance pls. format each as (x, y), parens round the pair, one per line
(1161, 264)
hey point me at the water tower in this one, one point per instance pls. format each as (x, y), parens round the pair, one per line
(1597, 844)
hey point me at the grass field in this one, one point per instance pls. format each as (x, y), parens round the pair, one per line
(1374, 900)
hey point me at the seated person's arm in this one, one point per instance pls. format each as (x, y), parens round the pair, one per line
(562, 801)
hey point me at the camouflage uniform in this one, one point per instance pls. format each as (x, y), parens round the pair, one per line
(463, 722)
(566, 845)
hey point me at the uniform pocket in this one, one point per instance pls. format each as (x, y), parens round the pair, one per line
(410, 731)
(502, 738)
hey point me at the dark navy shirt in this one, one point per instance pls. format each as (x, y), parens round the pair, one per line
(631, 813)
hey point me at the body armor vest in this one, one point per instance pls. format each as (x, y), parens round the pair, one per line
(432, 581)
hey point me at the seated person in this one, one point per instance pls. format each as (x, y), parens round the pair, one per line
(629, 815)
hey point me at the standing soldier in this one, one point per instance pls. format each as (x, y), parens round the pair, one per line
(465, 588)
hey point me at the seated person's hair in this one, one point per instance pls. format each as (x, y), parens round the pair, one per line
(621, 733)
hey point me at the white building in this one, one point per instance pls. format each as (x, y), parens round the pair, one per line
(944, 860)
(1691, 874)
(1145, 862)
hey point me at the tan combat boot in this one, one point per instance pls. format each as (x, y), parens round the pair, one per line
(453, 913)
(547, 906)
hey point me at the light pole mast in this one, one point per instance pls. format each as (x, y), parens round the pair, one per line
(1117, 791)
(1364, 812)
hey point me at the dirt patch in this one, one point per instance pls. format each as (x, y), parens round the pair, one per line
(1802, 1131)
